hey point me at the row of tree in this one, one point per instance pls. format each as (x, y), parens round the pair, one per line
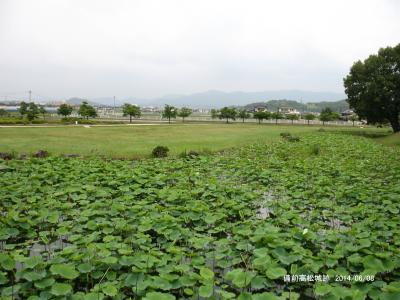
(31, 110)
(228, 113)
(85, 110)
(129, 110)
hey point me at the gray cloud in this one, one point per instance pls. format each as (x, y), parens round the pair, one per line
(149, 48)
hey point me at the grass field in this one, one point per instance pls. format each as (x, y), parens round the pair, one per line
(128, 141)
(138, 141)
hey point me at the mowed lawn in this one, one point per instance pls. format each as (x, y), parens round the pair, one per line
(138, 141)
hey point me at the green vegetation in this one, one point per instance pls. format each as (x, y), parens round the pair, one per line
(65, 110)
(227, 113)
(243, 114)
(274, 105)
(261, 115)
(223, 226)
(184, 112)
(390, 140)
(310, 117)
(169, 112)
(87, 111)
(131, 110)
(328, 115)
(137, 141)
(373, 87)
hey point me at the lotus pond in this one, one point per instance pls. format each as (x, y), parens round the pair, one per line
(241, 224)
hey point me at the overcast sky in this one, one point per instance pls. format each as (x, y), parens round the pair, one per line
(150, 48)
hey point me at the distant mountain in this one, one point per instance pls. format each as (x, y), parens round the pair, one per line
(78, 101)
(273, 105)
(217, 99)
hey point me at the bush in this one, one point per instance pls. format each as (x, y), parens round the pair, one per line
(6, 155)
(293, 139)
(160, 151)
(190, 154)
(41, 154)
(285, 135)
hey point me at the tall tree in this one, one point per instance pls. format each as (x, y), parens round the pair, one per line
(261, 115)
(131, 110)
(277, 116)
(309, 117)
(87, 111)
(228, 113)
(292, 117)
(169, 112)
(23, 106)
(373, 87)
(327, 115)
(243, 114)
(3, 112)
(32, 111)
(184, 112)
(64, 110)
(43, 111)
(214, 113)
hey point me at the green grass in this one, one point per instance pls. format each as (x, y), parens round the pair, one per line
(392, 140)
(138, 141)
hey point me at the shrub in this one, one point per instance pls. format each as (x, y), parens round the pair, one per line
(293, 139)
(22, 156)
(6, 155)
(160, 151)
(190, 154)
(285, 135)
(41, 154)
(193, 153)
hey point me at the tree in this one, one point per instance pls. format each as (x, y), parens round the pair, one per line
(327, 115)
(277, 116)
(86, 110)
(243, 114)
(373, 87)
(228, 113)
(309, 117)
(353, 118)
(23, 106)
(169, 112)
(65, 110)
(32, 111)
(261, 115)
(131, 110)
(184, 112)
(292, 117)
(43, 111)
(3, 112)
(214, 113)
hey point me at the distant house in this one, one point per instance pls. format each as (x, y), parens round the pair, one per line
(346, 114)
(260, 108)
(288, 111)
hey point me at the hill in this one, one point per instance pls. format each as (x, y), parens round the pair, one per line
(273, 105)
(217, 99)
(78, 101)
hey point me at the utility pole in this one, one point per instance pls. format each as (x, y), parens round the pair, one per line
(30, 95)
